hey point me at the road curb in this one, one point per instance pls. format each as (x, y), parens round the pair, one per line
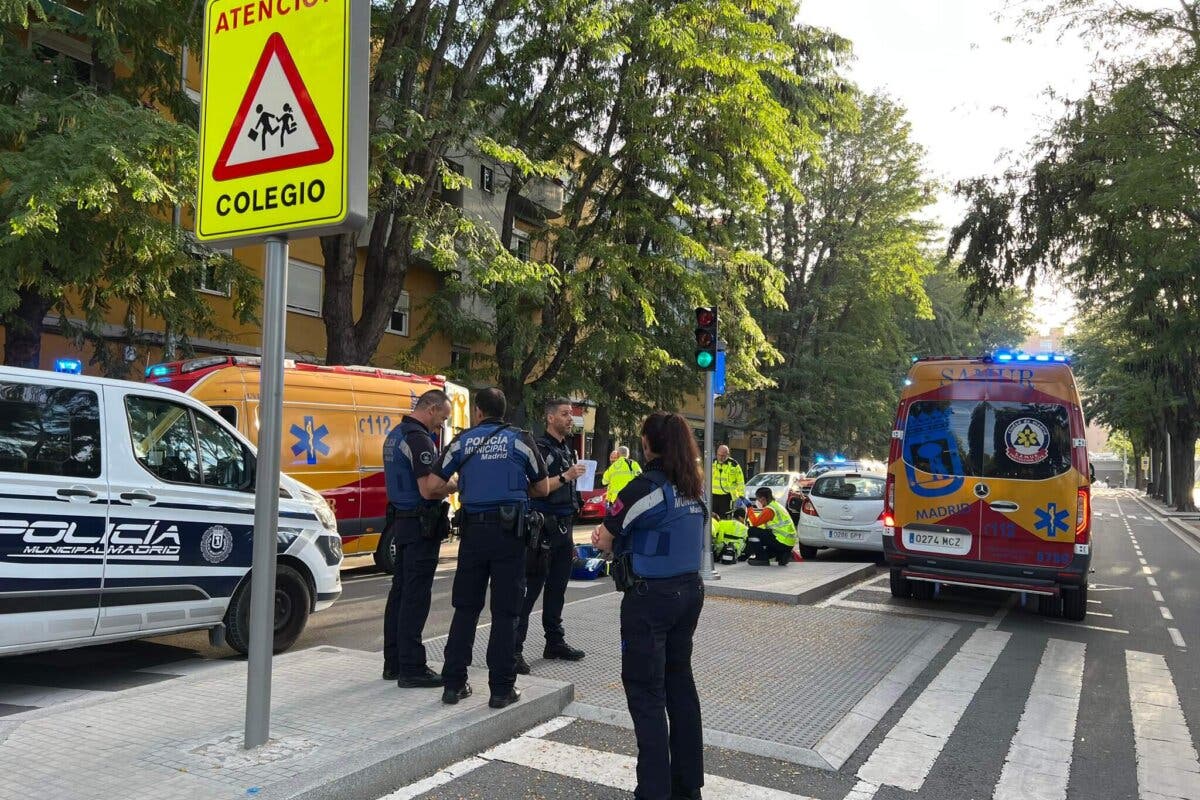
(1184, 527)
(810, 595)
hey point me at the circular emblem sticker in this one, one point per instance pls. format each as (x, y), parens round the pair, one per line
(427, 458)
(216, 544)
(1028, 441)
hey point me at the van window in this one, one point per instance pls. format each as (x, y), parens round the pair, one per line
(222, 458)
(942, 437)
(49, 430)
(228, 413)
(164, 441)
(1027, 441)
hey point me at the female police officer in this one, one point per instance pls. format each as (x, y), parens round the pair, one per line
(655, 530)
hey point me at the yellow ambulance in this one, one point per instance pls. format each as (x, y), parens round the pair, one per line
(335, 420)
(987, 481)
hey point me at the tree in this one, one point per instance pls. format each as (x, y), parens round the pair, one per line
(90, 167)
(957, 329)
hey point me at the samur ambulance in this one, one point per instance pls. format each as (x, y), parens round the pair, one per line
(335, 420)
(987, 481)
(128, 511)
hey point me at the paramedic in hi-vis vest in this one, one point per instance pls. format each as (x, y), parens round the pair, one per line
(772, 531)
(621, 470)
(729, 537)
(656, 532)
(728, 482)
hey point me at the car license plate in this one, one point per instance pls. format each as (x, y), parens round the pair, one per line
(845, 536)
(955, 544)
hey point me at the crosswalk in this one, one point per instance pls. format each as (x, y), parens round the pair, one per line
(1038, 761)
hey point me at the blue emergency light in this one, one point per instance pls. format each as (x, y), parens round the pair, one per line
(1007, 356)
(158, 371)
(1003, 356)
(71, 366)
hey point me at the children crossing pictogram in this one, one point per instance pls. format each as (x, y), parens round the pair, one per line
(277, 126)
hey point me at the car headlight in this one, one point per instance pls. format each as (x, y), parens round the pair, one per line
(331, 547)
(323, 511)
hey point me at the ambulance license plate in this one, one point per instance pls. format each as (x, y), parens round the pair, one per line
(955, 544)
(845, 536)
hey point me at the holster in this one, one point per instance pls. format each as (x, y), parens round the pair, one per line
(537, 545)
(513, 519)
(624, 578)
(435, 521)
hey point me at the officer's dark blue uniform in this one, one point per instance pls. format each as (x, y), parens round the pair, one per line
(409, 454)
(664, 532)
(559, 509)
(496, 463)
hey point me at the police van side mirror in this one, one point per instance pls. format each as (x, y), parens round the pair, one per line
(250, 470)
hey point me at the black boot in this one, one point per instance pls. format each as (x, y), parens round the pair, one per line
(563, 652)
(452, 696)
(426, 680)
(503, 700)
(522, 665)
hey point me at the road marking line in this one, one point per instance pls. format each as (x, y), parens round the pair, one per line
(1098, 614)
(1143, 561)
(1081, 625)
(1039, 757)
(905, 756)
(862, 791)
(1167, 764)
(547, 728)
(1151, 581)
(1147, 570)
(1177, 637)
(1002, 612)
(858, 587)
(1097, 602)
(450, 773)
(1158, 596)
(1166, 613)
(612, 769)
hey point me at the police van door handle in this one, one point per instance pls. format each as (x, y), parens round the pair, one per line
(77, 491)
(138, 495)
(1006, 506)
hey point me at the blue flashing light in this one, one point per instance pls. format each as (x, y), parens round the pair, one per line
(1004, 356)
(1042, 357)
(839, 458)
(820, 459)
(1060, 359)
(71, 366)
(1024, 357)
(159, 371)
(908, 381)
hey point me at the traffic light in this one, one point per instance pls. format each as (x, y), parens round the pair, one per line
(706, 338)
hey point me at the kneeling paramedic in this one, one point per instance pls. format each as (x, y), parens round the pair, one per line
(656, 532)
(729, 537)
(772, 531)
(418, 522)
(498, 469)
(549, 563)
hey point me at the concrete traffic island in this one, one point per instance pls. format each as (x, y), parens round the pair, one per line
(799, 582)
(337, 731)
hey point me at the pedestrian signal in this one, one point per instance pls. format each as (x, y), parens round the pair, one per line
(706, 338)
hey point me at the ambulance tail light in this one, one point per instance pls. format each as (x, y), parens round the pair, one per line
(808, 508)
(889, 496)
(1083, 516)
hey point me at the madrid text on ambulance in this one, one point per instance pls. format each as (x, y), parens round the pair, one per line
(247, 14)
(271, 197)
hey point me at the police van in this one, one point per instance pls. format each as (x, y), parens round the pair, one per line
(127, 510)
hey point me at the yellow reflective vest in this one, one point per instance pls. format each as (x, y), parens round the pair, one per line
(729, 531)
(618, 475)
(781, 525)
(728, 479)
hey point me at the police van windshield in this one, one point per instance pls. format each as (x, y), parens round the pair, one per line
(991, 439)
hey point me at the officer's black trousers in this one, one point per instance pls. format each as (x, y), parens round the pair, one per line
(408, 601)
(658, 621)
(767, 546)
(486, 554)
(722, 504)
(554, 579)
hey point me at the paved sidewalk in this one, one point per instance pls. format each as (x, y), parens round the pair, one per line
(338, 732)
(796, 683)
(798, 582)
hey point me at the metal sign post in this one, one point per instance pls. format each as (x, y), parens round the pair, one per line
(266, 495)
(706, 558)
(283, 153)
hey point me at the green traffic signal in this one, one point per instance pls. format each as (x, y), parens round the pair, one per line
(704, 359)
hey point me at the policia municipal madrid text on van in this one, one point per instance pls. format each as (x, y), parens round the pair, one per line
(418, 521)
(549, 565)
(655, 530)
(499, 469)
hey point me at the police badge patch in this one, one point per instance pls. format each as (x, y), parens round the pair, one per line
(216, 544)
(427, 458)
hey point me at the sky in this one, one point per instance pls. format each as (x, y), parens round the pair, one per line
(975, 87)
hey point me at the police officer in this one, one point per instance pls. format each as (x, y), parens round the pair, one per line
(728, 482)
(774, 532)
(558, 509)
(656, 532)
(498, 469)
(415, 495)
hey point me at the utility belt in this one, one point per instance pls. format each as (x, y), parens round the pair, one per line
(433, 520)
(513, 519)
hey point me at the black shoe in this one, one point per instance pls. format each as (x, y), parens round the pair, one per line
(390, 674)
(758, 562)
(783, 561)
(522, 665)
(452, 696)
(426, 680)
(500, 701)
(563, 652)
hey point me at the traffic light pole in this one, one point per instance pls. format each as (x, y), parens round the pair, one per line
(706, 557)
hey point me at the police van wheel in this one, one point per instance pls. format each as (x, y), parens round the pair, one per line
(292, 605)
(385, 553)
(1074, 602)
(901, 587)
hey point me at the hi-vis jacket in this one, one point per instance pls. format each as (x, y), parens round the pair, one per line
(728, 479)
(774, 518)
(618, 475)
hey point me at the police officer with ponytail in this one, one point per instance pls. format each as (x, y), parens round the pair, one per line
(655, 531)
(499, 469)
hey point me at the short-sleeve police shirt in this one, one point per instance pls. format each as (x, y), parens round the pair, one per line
(422, 452)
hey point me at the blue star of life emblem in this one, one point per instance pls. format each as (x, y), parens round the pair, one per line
(1051, 520)
(310, 440)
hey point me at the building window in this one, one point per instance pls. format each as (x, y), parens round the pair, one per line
(453, 196)
(520, 246)
(70, 56)
(460, 357)
(487, 179)
(304, 288)
(399, 321)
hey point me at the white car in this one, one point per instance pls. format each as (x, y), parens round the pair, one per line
(781, 484)
(128, 511)
(844, 509)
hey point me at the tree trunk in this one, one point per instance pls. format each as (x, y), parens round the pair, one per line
(774, 431)
(23, 330)
(602, 435)
(337, 304)
(1183, 467)
(514, 388)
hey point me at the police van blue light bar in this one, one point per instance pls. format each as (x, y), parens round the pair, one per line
(71, 366)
